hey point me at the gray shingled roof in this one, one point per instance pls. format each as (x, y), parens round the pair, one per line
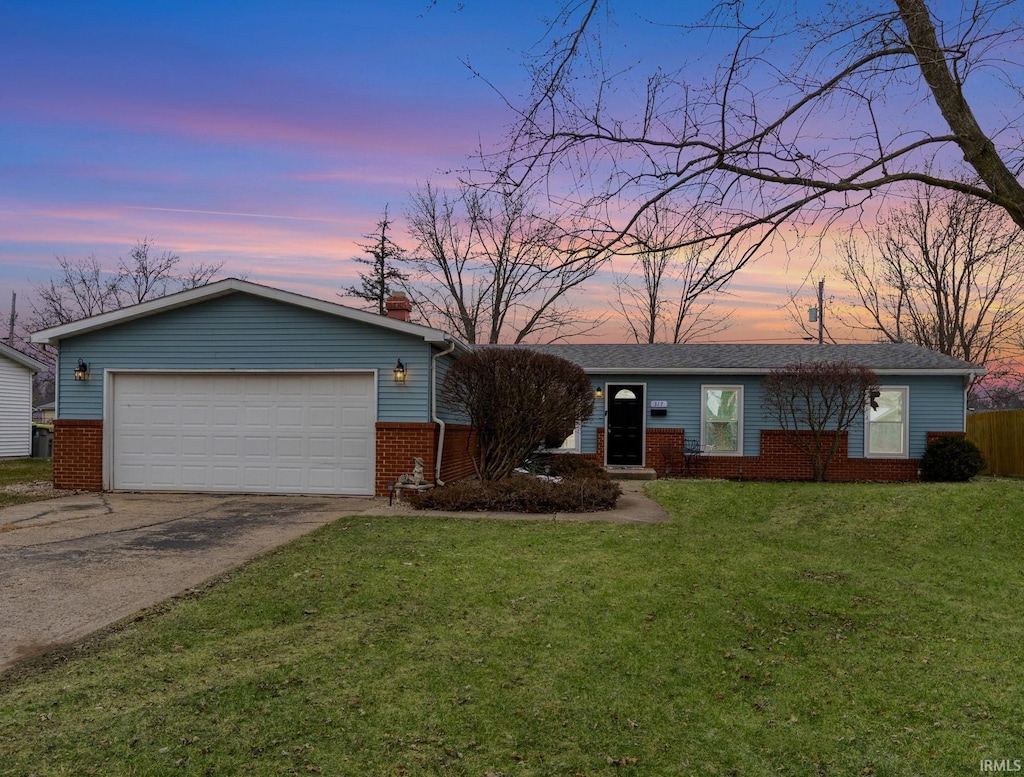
(719, 357)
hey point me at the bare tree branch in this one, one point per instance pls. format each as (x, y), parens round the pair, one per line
(866, 104)
(945, 271)
(84, 287)
(669, 295)
(490, 267)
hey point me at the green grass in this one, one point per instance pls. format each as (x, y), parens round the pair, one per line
(769, 629)
(14, 471)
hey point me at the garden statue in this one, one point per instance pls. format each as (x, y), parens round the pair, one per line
(416, 478)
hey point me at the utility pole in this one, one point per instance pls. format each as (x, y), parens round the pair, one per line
(818, 313)
(821, 311)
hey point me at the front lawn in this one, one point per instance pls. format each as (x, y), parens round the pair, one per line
(769, 629)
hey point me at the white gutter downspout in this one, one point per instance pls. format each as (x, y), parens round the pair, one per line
(433, 411)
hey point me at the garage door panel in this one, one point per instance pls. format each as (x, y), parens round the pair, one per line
(195, 477)
(224, 446)
(263, 433)
(289, 417)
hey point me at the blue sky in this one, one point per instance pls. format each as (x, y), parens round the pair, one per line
(267, 135)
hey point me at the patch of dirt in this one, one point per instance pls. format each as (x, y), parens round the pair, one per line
(40, 488)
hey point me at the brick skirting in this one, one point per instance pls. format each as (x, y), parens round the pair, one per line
(398, 443)
(78, 455)
(778, 459)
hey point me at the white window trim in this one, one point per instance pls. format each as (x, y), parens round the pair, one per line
(704, 389)
(578, 431)
(906, 427)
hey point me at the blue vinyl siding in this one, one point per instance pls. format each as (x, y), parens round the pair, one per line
(240, 332)
(936, 404)
(447, 414)
(682, 392)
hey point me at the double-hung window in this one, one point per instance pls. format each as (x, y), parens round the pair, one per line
(885, 423)
(721, 416)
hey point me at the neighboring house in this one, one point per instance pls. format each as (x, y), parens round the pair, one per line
(44, 413)
(237, 387)
(16, 371)
(655, 400)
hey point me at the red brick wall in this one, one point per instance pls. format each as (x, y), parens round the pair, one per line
(457, 457)
(78, 454)
(664, 451)
(397, 444)
(778, 459)
(599, 455)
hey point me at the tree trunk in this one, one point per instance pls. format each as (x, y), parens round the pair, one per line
(979, 151)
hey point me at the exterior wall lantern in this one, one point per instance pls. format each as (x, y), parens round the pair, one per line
(599, 393)
(82, 371)
(399, 372)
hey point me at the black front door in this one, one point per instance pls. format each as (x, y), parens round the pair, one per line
(625, 424)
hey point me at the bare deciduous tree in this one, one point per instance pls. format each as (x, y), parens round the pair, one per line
(383, 277)
(803, 120)
(945, 271)
(816, 402)
(490, 268)
(84, 287)
(669, 294)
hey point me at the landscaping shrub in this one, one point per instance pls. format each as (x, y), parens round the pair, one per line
(522, 494)
(573, 465)
(951, 459)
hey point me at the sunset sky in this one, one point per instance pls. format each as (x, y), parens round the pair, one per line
(268, 136)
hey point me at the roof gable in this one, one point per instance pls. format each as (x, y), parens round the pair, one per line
(18, 357)
(183, 299)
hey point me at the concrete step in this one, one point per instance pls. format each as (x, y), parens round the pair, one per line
(632, 473)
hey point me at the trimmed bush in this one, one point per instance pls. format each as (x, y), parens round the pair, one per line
(522, 494)
(951, 459)
(573, 465)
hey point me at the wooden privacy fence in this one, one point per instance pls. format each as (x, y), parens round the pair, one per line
(1000, 436)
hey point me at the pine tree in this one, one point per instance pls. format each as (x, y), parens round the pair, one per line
(378, 283)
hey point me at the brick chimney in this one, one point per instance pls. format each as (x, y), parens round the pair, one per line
(398, 306)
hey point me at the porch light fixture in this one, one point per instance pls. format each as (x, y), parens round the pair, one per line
(399, 372)
(599, 393)
(82, 371)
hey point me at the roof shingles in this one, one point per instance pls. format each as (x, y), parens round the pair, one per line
(716, 357)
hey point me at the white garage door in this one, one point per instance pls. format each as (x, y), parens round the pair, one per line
(244, 432)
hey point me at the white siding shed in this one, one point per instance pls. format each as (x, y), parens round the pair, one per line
(16, 371)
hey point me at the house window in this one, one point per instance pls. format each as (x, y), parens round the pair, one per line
(885, 424)
(570, 444)
(722, 420)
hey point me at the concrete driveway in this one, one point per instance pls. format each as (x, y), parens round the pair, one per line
(72, 565)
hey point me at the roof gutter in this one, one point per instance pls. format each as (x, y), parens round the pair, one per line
(433, 411)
